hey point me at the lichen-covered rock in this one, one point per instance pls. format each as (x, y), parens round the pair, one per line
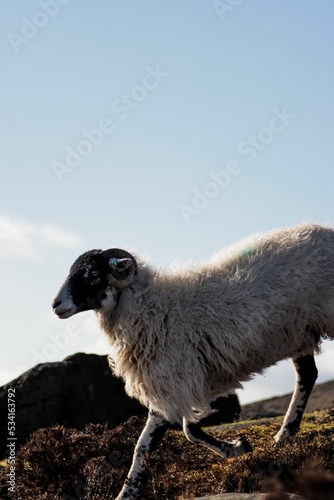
(74, 392)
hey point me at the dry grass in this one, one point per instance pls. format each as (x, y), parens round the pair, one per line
(59, 463)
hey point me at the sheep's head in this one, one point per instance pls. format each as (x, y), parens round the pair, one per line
(94, 281)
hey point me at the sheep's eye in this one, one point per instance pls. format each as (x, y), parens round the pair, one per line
(94, 273)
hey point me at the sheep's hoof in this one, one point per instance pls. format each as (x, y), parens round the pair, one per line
(281, 437)
(246, 445)
(242, 446)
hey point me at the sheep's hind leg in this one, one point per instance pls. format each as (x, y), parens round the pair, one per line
(306, 375)
(152, 433)
(225, 449)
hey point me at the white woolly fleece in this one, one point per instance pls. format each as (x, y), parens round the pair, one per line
(182, 338)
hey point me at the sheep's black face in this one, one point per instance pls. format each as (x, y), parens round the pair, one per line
(93, 282)
(86, 286)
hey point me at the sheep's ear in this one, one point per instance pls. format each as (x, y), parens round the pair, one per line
(120, 264)
(122, 272)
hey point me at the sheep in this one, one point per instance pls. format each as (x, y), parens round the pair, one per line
(182, 337)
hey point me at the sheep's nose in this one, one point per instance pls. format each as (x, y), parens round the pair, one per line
(56, 303)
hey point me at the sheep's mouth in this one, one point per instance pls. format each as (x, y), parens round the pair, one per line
(65, 313)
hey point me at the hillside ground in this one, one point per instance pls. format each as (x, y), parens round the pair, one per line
(61, 463)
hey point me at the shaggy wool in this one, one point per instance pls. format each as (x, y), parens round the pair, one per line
(183, 336)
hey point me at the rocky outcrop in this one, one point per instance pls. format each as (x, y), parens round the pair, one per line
(79, 390)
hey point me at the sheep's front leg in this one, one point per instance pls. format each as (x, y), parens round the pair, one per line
(306, 375)
(225, 449)
(152, 433)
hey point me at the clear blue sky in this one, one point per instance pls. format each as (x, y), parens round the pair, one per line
(214, 121)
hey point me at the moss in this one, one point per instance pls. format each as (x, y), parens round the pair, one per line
(93, 463)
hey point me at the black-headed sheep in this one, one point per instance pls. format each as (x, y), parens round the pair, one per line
(182, 337)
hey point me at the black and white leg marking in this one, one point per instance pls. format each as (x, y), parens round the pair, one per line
(151, 435)
(225, 449)
(306, 375)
